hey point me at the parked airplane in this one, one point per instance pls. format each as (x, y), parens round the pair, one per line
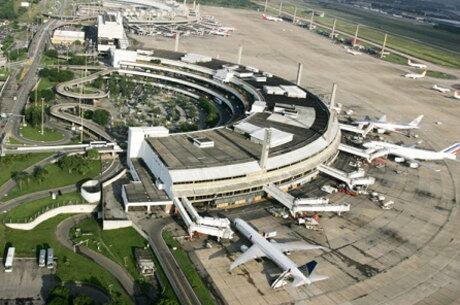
(410, 154)
(227, 29)
(271, 18)
(275, 251)
(416, 65)
(353, 52)
(441, 89)
(219, 33)
(457, 95)
(383, 126)
(415, 75)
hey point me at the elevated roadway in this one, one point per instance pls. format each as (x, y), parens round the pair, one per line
(58, 111)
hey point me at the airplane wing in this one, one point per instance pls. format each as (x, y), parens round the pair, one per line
(252, 253)
(383, 119)
(410, 160)
(429, 166)
(296, 246)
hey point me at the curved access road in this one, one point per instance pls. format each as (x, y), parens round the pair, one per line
(124, 278)
(175, 275)
(58, 111)
(64, 87)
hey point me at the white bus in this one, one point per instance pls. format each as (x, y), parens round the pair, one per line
(50, 258)
(42, 258)
(97, 144)
(9, 259)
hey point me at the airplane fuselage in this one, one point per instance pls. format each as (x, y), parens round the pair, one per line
(278, 257)
(409, 152)
(387, 126)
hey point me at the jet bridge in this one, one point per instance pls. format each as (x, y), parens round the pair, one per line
(300, 205)
(352, 180)
(213, 226)
(356, 129)
(368, 154)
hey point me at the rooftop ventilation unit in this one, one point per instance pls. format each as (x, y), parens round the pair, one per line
(203, 142)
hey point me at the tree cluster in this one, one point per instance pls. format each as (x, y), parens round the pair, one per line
(34, 115)
(212, 114)
(121, 86)
(61, 296)
(75, 164)
(77, 60)
(56, 75)
(7, 10)
(98, 116)
(53, 53)
(23, 178)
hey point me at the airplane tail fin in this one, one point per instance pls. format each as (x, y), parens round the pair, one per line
(453, 150)
(311, 277)
(308, 268)
(416, 121)
(423, 73)
(409, 62)
(383, 119)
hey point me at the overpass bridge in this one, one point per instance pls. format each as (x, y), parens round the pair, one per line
(58, 111)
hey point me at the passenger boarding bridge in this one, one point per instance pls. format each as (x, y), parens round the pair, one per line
(352, 180)
(368, 154)
(213, 226)
(300, 205)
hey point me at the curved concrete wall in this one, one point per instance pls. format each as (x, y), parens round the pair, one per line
(114, 178)
(68, 209)
(91, 197)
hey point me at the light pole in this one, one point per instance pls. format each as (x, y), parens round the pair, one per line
(43, 114)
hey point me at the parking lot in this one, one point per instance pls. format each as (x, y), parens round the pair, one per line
(27, 281)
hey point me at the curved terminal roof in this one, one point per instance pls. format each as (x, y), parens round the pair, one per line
(307, 121)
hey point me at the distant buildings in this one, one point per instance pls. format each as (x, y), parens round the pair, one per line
(66, 37)
(110, 32)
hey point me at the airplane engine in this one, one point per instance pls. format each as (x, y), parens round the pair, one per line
(244, 248)
(380, 130)
(414, 165)
(399, 160)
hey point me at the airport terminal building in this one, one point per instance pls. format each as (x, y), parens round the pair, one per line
(283, 134)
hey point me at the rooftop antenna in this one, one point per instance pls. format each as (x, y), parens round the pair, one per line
(299, 74)
(265, 148)
(240, 53)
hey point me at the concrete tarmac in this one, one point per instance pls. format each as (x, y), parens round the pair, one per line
(408, 255)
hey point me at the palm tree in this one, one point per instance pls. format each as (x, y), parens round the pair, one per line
(20, 178)
(40, 173)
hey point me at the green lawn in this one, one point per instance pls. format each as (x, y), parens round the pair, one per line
(49, 135)
(394, 58)
(16, 163)
(438, 74)
(45, 83)
(108, 244)
(379, 25)
(33, 208)
(189, 270)
(4, 74)
(71, 266)
(48, 61)
(56, 177)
